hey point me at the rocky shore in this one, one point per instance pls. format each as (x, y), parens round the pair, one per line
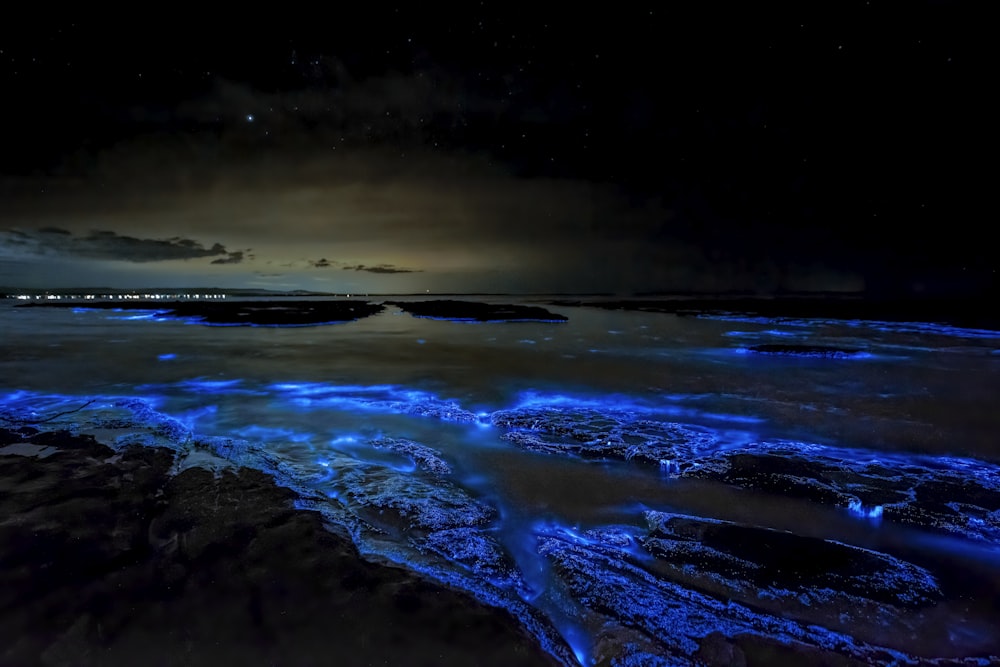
(169, 546)
(112, 557)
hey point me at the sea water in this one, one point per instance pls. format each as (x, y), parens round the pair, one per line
(316, 397)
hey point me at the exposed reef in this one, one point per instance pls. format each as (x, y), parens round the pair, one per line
(964, 313)
(602, 434)
(238, 313)
(699, 591)
(109, 558)
(424, 457)
(177, 524)
(949, 494)
(475, 311)
(396, 502)
(815, 580)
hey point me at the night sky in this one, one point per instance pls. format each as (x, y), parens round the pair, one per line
(501, 147)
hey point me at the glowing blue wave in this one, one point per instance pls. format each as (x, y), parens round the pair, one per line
(876, 325)
(413, 513)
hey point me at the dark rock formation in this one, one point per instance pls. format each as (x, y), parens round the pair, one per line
(424, 457)
(108, 560)
(604, 434)
(275, 313)
(118, 552)
(645, 617)
(473, 311)
(949, 494)
(398, 502)
(812, 580)
(477, 551)
(445, 410)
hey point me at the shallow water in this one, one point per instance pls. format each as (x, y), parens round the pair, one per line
(315, 397)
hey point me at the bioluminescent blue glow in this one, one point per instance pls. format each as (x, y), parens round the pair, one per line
(274, 433)
(377, 490)
(191, 418)
(135, 316)
(764, 334)
(874, 512)
(669, 466)
(376, 398)
(665, 405)
(117, 313)
(325, 475)
(520, 468)
(211, 386)
(805, 354)
(929, 328)
(757, 319)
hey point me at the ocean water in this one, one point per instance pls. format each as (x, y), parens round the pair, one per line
(308, 402)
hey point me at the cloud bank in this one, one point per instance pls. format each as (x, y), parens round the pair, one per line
(109, 245)
(380, 268)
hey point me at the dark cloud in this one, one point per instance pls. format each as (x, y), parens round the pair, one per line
(14, 238)
(377, 268)
(380, 268)
(109, 245)
(232, 258)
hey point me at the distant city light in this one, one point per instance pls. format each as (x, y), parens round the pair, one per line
(112, 297)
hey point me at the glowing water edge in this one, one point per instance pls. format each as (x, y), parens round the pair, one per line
(634, 488)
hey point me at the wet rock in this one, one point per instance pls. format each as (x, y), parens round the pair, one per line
(109, 560)
(960, 496)
(812, 580)
(145, 418)
(954, 495)
(399, 502)
(424, 457)
(604, 434)
(717, 649)
(443, 410)
(635, 608)
(816, 351)
(477, 551)
(474, 311)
